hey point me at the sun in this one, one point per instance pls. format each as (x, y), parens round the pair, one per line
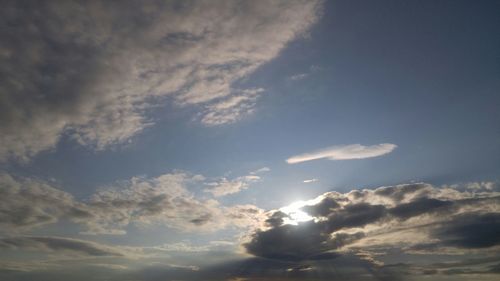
(295, 214)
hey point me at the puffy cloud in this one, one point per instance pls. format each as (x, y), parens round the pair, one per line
(345, 152)
(90, 71)
(165, 200)
(411, 217)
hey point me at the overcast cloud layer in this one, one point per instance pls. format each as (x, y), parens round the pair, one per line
(90, 71)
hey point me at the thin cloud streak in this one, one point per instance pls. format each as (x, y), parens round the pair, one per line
(345, 152)
(310, 180)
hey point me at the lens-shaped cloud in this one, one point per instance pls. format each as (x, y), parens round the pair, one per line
(345, 152)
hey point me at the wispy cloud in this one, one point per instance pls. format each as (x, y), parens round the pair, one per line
(230, 110)
(224, 186)
(344, 152)
(60, 244)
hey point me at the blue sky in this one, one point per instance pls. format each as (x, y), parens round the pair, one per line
(149, 125)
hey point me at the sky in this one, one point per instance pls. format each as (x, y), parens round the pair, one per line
(249, 140)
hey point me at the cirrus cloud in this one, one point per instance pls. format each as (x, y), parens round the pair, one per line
(344, 152)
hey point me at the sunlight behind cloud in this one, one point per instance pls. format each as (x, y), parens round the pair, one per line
(294, 213)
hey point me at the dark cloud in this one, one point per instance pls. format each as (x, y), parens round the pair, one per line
(418, 207)
(290, 242)
(203, 219)
(323, 208)
(411, 215)
(354, 215)
(470, 231)
(276, 219)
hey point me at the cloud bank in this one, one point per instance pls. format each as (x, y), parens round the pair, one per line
(345, 152)
(450, 231)
(91, 72)
(410, 218)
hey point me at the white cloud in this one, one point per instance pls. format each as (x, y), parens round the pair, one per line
(310, 180)
(344, 152)
(86, 70)
(225, 187)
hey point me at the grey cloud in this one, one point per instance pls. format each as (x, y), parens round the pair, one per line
(55, 244)
(405, 217)
(311, 240)
(342, 268)
(91, 70)
(30, 203)
(355, 215)
(276, 219)
(290, 242)
(474, 230)
(419, 206)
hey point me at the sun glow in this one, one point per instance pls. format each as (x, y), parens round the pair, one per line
(295, 214)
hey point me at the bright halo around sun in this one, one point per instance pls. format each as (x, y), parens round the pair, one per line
(295, 214)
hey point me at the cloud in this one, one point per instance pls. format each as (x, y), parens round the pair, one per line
(310, 180)
(299, 76)
(410, 217)
(345, 152)
(59, 244)
(261, 170)
(91, 72)
(188, 247)
(166, 200)
(28, 203)
(231, 109)
(225, 187)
